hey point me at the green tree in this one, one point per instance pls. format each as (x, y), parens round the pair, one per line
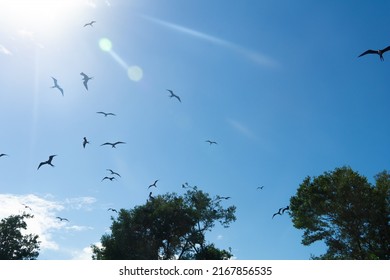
(346, 212)
(167, 226)
(13, 244)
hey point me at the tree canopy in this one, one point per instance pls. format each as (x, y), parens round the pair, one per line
(346, 212)
(167, 226)
(13, 244)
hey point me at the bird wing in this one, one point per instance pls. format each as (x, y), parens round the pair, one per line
(368, 52)
(42, 163)
(119, 142)
(106, 144)
(86, 84)
(178, 98)
(386, 49)
(54, 80)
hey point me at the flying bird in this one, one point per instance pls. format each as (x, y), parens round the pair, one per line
(260, 188)
(47, 162)
(89, 23)
(3, 155)
(62, 219)
(113, 144)
(211, 142)
(106, 114)
(153, 185)
(285, 209)
(26, 206)
(85, 142)
(108, 178)
(378, 52)
(277, 213)
(113, 172)
(173, 95)
(85, 79)
(57, 86)
(112, 209)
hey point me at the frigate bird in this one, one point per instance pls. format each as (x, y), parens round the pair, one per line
(3, 155)
(277, 213)
(62, 219)
(223, 197)
(85, 79)
(89, 23)
(173, 95)
(211, 142)
(153, 185)
(113, 172)
(108, 178)
(378, 52)
(47, 161)
(113, 145)
(85, 142)
(112, 209)
(106, 114)
(57, 86)
(260, 188)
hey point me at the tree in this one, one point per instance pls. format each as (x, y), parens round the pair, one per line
(167, 227)
(13, 244)
(345, 211)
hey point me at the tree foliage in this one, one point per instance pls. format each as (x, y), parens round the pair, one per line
(345, 211)
(167, 226)
(13, 244)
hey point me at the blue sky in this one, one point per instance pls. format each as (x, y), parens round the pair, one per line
(277, 84)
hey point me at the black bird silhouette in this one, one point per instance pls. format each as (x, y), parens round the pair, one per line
(113, 144)
(47, 162)
(113, 172)
(62, 219)
(173, 95)
(378, 52)
(112, 209)
(211, 142)
(153, 185)
(85, 79)
(260, 188)
(57, 86)
(3, 155)
(150, 196)
(89, 23)
(285, 209)
(106, 114)
(108, 178)
(277, 213)
(85, 142)
(26, 206)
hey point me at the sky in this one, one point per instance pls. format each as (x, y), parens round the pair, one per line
(277, 84)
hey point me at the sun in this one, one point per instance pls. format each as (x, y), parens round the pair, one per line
(39, 15)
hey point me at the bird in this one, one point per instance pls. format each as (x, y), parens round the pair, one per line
(108, 178)
(112, 209)
(113, 172)
(47, 161)
(211, 142)
(277, 213)
(260, 188)
(26, 206)
(378, 52)
(4, 155)
(89, 23)
(85, 79)
(106, 114)
(85, 142)
(62, 219)
(153, 185)
(57, 86)
(113, 144)
(285, 209)
(173, 95)
(223, 197)
(150, 196)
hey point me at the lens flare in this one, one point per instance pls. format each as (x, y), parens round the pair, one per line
(135, 73)
(105, 44)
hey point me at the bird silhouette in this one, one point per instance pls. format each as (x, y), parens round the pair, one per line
(153, 185)
(211, 142)
(113, 172)
(150, 196)
(85, 79)
(89, 23)
(106, 114)
(113, 145)
(3, 155)
(47, 161)
(223, 197)
(277, 213)
(112, 209)
(26, 206)
(57, 86)
(260, 188)
(108, 178)
(62, 219)
(285, 209)
(85, 142)
(173, 95)
(378, 52)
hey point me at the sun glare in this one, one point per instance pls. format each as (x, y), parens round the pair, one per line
(39, 15)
